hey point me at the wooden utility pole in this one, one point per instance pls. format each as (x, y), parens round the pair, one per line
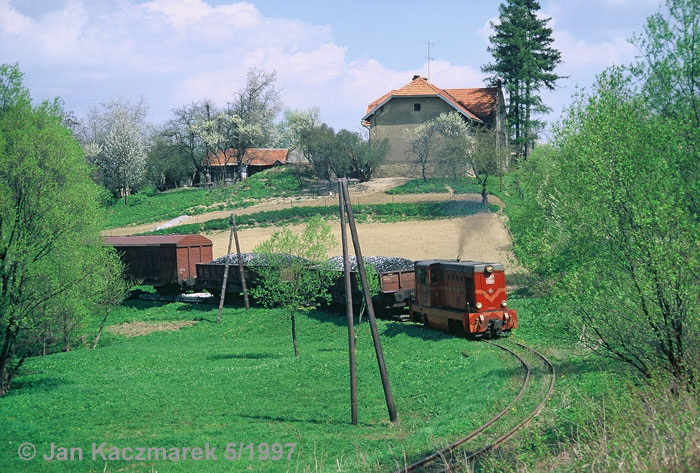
(223, 286)
(240, 262)
(348, 307)
(370, 308)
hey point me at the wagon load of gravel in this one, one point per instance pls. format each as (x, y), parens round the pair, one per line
(383, 264)
(256, 259)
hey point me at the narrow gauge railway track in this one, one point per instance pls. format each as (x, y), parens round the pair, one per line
(439, 460)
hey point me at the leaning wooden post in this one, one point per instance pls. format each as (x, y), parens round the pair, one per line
(370, 308)
(223, 286)
(240, 262)
(348, 307)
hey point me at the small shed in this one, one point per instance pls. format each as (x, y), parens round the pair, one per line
(163, 259)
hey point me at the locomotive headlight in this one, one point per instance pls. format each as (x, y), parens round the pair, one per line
(504, 304)
(478, 305)
(489, 269)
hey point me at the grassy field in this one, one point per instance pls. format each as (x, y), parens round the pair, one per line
(397, 212)
(438, 185)
(239, 382)
(144, 208)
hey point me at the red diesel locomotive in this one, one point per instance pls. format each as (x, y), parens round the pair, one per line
(462, 296)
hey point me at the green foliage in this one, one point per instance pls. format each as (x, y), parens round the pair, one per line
(608, 226)
(168, 165)
(669, 70)
(286, 279)
(49, 220)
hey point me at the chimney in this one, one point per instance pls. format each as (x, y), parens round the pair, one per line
(415, 77)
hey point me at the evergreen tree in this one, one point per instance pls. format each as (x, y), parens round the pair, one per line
(524, 62)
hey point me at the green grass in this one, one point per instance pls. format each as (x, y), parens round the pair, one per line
(438, 185)
(239, 382)
(145, 208)
(396, 212)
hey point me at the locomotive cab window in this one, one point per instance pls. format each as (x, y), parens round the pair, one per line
(433, 276)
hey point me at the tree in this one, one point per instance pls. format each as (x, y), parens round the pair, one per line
(608, 226)
(288, 131)
(669, 68)
(116, 137)
(291, 271)
(49, 222)
(112, 288)
(123, 157)
(524, 62)
(320, 147)
(245, 122)
(420, 141)
(167, 166)
(362, 155)
(454, 144)
(180, 138)
(469, 149)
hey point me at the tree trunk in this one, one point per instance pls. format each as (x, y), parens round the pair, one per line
(6, 356)
(66, 333)
(484, 196)
(294, 337)
(99, 332)
(527, 120)
(126, 194)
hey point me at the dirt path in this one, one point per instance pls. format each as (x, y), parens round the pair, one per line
(476, 237)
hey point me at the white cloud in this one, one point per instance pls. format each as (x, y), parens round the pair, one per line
(177, 51)
(12, 22)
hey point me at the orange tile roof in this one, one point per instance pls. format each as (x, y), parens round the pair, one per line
(482, 101)
(476, 103)
(253, 156)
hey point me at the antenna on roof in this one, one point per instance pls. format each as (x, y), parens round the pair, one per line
(428, 57)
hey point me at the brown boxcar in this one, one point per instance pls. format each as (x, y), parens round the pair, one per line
(464, 296)
(163, 260)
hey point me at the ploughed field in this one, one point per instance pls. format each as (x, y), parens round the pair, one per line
(170, 383)
(480, 237)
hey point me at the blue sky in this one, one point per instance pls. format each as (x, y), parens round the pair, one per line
(337, 55)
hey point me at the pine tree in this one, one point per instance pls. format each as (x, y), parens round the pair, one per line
(524, 62)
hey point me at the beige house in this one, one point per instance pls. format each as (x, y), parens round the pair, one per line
(420, 101)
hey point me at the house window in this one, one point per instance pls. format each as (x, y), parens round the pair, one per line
(416, 107)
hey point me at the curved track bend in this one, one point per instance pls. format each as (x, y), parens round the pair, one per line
(438, 460)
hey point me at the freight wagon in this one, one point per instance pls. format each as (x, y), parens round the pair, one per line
(163, 261)
(396, 281)
(395, 278)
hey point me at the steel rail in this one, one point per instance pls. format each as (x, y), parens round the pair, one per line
(442, 452)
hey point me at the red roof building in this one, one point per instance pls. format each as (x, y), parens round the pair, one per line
(224, 166)
(420, 101)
